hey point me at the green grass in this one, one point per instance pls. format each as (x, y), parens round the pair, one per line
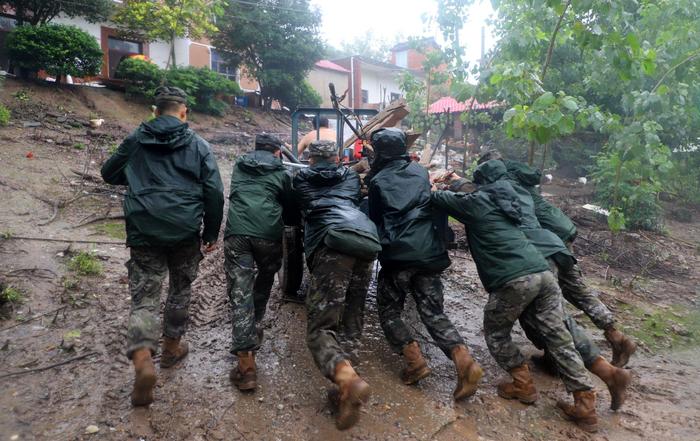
(675, 327)
(79, 146)
(85, 264)
(70, 283)
(115, 230)
(11, 295)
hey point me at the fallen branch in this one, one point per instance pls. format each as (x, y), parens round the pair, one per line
(46, 239)
(51, 366)
(53, 216)
(101, 218)
(57, 310)
(35, 271)
(89, 176)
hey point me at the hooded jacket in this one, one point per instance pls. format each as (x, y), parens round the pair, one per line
(410, 230)
(499, 247)
(174, 184)
(261, 194)
(549, 216)
(328, 196)
(546, 242)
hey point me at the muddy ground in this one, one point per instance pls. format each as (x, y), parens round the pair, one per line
(649, 280)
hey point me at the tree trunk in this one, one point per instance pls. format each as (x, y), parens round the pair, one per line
(173, 61)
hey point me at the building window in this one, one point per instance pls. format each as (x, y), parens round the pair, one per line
(402, 59)
(365, 96)
(394, 97)
(7, 23)
(120, 49)
(219, 65)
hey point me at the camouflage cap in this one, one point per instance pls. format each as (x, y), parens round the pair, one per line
(167, 93)
(265, 141)
(489, 155)
(323, 148)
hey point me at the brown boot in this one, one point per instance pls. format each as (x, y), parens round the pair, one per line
(145, 378)
(468, 372)
(173, 350)
(622, 346)
(244, 376)
(615, 378)
(583, 410)
(522, 388)
(416, 367)
(352, 391)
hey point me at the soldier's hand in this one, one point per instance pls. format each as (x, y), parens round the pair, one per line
(209, 247)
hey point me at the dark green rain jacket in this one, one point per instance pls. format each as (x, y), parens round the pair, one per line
(549, 216)
(261, 194)
(499, 247)
(328, 196)
(174, 184)
(410, 230)
(546, 242)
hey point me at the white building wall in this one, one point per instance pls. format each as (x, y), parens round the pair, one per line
(159, 51)
(93, 29)
(380, 86)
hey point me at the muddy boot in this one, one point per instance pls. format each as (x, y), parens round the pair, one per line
(583, 410)
(615, 378)
(545, 363)
(173, 350)
(622, 346)
(145, 378)
(244, 376)
(352, 391)
(522, 388)
(468, 372)
(416, 367)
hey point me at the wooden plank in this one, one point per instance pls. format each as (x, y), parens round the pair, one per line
(389, 117)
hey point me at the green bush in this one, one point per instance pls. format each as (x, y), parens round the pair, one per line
(204, 88)
(4, 115)
(142, 77)
(85, 264)
(11, 295)
(57, 49)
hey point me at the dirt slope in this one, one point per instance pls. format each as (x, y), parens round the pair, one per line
(87, 316)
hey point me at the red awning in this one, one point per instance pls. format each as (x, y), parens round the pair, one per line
(449, 104)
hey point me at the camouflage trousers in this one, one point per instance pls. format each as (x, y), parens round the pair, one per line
(147, 269)
(575, 291)
(583, 343)
(335, 305)
(535, 299)
(426, 289)
(250, 265)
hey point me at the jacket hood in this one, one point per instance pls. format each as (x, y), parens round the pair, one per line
(504, 197)
(324, 173)
(165, 132)
(489, 172)
(260, 162)
(523, 173)
(381, 162)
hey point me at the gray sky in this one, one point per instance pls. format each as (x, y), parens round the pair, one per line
(387, 19)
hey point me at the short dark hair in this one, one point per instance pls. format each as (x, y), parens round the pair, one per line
(489, 155)
(267, 142)
(320, 121)
(168, 106)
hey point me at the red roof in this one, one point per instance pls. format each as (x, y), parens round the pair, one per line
(449, 104)
(327, 64)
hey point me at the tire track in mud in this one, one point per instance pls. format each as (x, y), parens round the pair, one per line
(209, 304)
